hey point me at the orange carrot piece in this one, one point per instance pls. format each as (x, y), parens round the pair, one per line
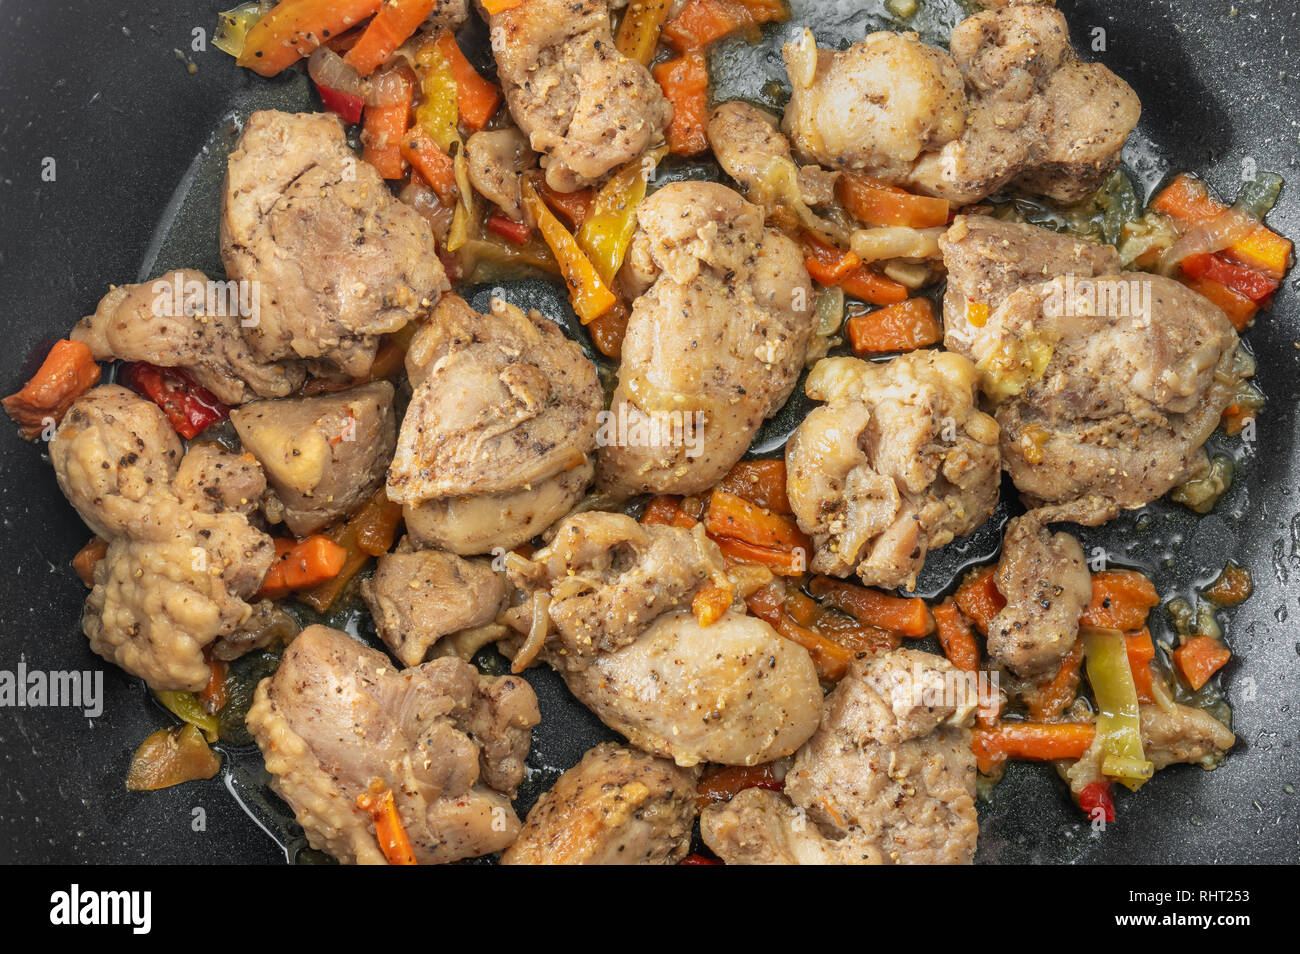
(314, 560)
(1121, 599)
(781, 562)
(88, 557)
(858, 637)
(213, 697)
(1141, 653)
(702, 22)
(476, 98)
(1047, 702)
(389, 830)
(1239, 309)
(371, 531)
(956, 637)
(734, 517)
(572, 207)
(384, 128)
(392, 24)
(663, 510)
(434, 166)
(1037, 741)
(830, 266)
(67, 372)
(905, 326)
(711, 602)
(294, 28)
(1200, 658)
(1188, 202)
(494, 7)
(685, 82)
(877, 203)
(761, 482)
(905, 616)
(868, 285)
(979, 598)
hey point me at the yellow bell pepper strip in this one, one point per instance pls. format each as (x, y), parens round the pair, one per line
(606, 230)
(233, 26)
(1118, 725)
(186, 707)
(439, 110)
(296, 27)
(638, 34)
(588, 292)
(464, 220)
(395, 21)
(389, 830)
(476, 98)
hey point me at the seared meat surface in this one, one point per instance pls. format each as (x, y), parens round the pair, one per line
(503, 405)
(888, 778)
(1183, 734)
(585, 107)
(750, 148)
(183, 561)
(150, 322)
(497, 158)
(338, 721)
(1047, 586)
(337, 260)
(324, 455)
(617, 806)
(715, 342)
(898, 461)
(418, 596)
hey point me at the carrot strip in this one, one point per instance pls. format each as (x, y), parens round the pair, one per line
(67, 372)
(477, 98)
(830, 266)
(1121, 599)
(392, 24)
(1239, 309)
(389, 830)
(978, 597)
(294, 28)
(905, 616)
(737, 518)
(956, 637)
(1048, 702)
(1256, 286)
(371, 531)
(1188, 202)
(434, 166)
(213, 697)
(1030, 740)
(384, 129)
(685, 82)
(663, 510)
(877, 203)
(781, 562)
(761, 482)
(905, 326)
(1200, 658)
(1141, 653)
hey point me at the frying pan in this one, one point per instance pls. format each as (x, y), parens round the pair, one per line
(138, 141)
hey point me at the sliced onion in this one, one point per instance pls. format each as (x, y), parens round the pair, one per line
(328, 70)
(388, 88)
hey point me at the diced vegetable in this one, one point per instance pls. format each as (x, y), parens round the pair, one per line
(638, 33)
(1239, 309)
(734, 517)
(1200, 494)
(371, 531)
(956, 637)
(902, 327)
(665, 510)
(702, 22)
(1141, 653)
(509, 229)
(385, 126)
(792, 562)
(186, 707)
(721, 783)
(1118, 726)
(1121, 599)
(588, 292)
(88, 557)
(341, 88)
(685, 82)
(392, 24)
(170, 757)
(476, 98)
(389, 830)
(494, 7)
(905, 616)
(830, 266)
(303, 564)
(1245, 281)
(1047, 702)
(978, 597)
(761, 482)
(831, 658)
(346, 106)
(1035, 741)
(1199, 658)
(571, 208)
(189, 407)
(1188, 202)
(1232, 587)
(877, 203)
(438, 113)
(711, 602)
(296, 27)
(434, 166)
(1097, 802)
(67, 372)
(606, 230)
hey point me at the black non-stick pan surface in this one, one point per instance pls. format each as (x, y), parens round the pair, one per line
(104, 95)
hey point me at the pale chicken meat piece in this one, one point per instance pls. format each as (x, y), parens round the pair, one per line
(183, 562)
(714, 344)
(888, 778)
(751, 149)
(1183, 734)
(337, 260)
(338, 721)
(183, 320)
(497, 159)
(502, 418)
(585, 107)
(617, 806)
(876, 107)
(898, 461)
(1047, 586)
(418, 596)
(606, 578)
(324, 455)
(733, 692)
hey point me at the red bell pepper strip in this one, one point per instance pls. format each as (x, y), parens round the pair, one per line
(1097, 796)
(509, 229)
(1255, 285)
(347, 106)
(189, 407)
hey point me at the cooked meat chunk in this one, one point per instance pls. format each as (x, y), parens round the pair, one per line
(502, 401)
(155, 322)
(751, 150)
(606, 578)
(987, 259)
(875, 107)
(484, 523)
(898, 462)
(338, 721)
(1047, 586)
(418, 596)
(496, 159)
(733, 692)
(337, 259)
(182, 558)
(1183, 734)
(617, 806)
(888, 778)
(324, 455)
(713, 346)
(584, 106)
